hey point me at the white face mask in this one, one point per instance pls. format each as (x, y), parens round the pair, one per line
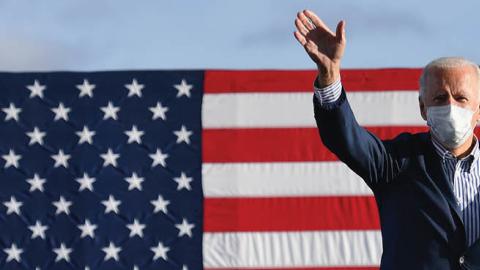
(451, 125)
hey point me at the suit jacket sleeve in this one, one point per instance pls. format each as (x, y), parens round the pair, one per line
(376, 161)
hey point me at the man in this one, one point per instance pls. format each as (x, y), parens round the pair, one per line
(426, 185)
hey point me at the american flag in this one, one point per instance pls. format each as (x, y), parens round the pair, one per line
(187, 170)
(275, 197)
(101, 170)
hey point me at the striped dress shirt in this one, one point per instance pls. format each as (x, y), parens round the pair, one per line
(464, 177)
(463, 174)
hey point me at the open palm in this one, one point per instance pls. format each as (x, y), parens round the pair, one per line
(323, 46)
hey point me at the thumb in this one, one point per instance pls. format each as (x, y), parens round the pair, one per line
(340, 32)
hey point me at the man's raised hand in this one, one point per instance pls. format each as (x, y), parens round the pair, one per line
(323, 46)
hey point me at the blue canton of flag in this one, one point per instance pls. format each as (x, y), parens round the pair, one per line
(101, 170)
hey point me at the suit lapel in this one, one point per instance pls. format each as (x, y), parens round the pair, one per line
(435, 169)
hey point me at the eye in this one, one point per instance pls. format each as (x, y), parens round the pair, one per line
(461, 99)
(439, 98)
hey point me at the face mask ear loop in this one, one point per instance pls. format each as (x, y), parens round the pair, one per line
(476, 121)
(471, 130)
(467, 134)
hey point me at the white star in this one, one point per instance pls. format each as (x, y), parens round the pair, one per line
(159, 158)
(38, 230)
(11, 159)
(184, 267)
(36, 183)
(185, 228)
(11, 112)
(85, 135)
(61, 159)
(13, 253)
(160, 205)
(135, 267)
(134, 135)
(136, 228)
(160, 251)
(159, 111)
(87, 229)
(134, 182)
(110, 111)
(134, 88)
(183, 88)
(36, 136)
(36, 89)
(110, 158)
(111, 205)
(85, 182)
(183, 181)
(61, 112)
(183, 135)
(111, 252)
(62, 206)
(63, 253)
(86, 88)
(13, 206)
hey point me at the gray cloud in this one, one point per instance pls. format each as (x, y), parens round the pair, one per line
(22, 53)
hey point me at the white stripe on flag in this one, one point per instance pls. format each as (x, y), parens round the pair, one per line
(281, 179)
(393, 108)
(292, 249)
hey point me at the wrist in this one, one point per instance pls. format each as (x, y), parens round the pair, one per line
(328, 76)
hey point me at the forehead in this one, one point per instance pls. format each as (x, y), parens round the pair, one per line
(452, 79)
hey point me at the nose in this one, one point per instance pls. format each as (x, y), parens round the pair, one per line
(451, 101)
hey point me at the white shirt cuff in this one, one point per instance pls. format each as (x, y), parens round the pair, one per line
(330, 93)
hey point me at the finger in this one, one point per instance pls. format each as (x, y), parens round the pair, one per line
(300, 27)
(306, 21)
(341, 32)
(317, 21)
(301, 39)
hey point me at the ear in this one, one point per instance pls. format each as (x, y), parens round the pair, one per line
(477, 117)
(423, 110)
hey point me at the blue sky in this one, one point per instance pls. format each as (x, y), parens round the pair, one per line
(247, 34)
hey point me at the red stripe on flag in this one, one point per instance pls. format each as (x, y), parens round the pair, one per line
(290, 214)
(276, 144)
(229, 81)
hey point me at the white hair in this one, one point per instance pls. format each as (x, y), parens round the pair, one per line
(443, 63)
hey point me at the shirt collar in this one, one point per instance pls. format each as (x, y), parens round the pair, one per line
(444, 153)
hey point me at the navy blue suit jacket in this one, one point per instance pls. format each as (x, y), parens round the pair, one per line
(420, 221)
